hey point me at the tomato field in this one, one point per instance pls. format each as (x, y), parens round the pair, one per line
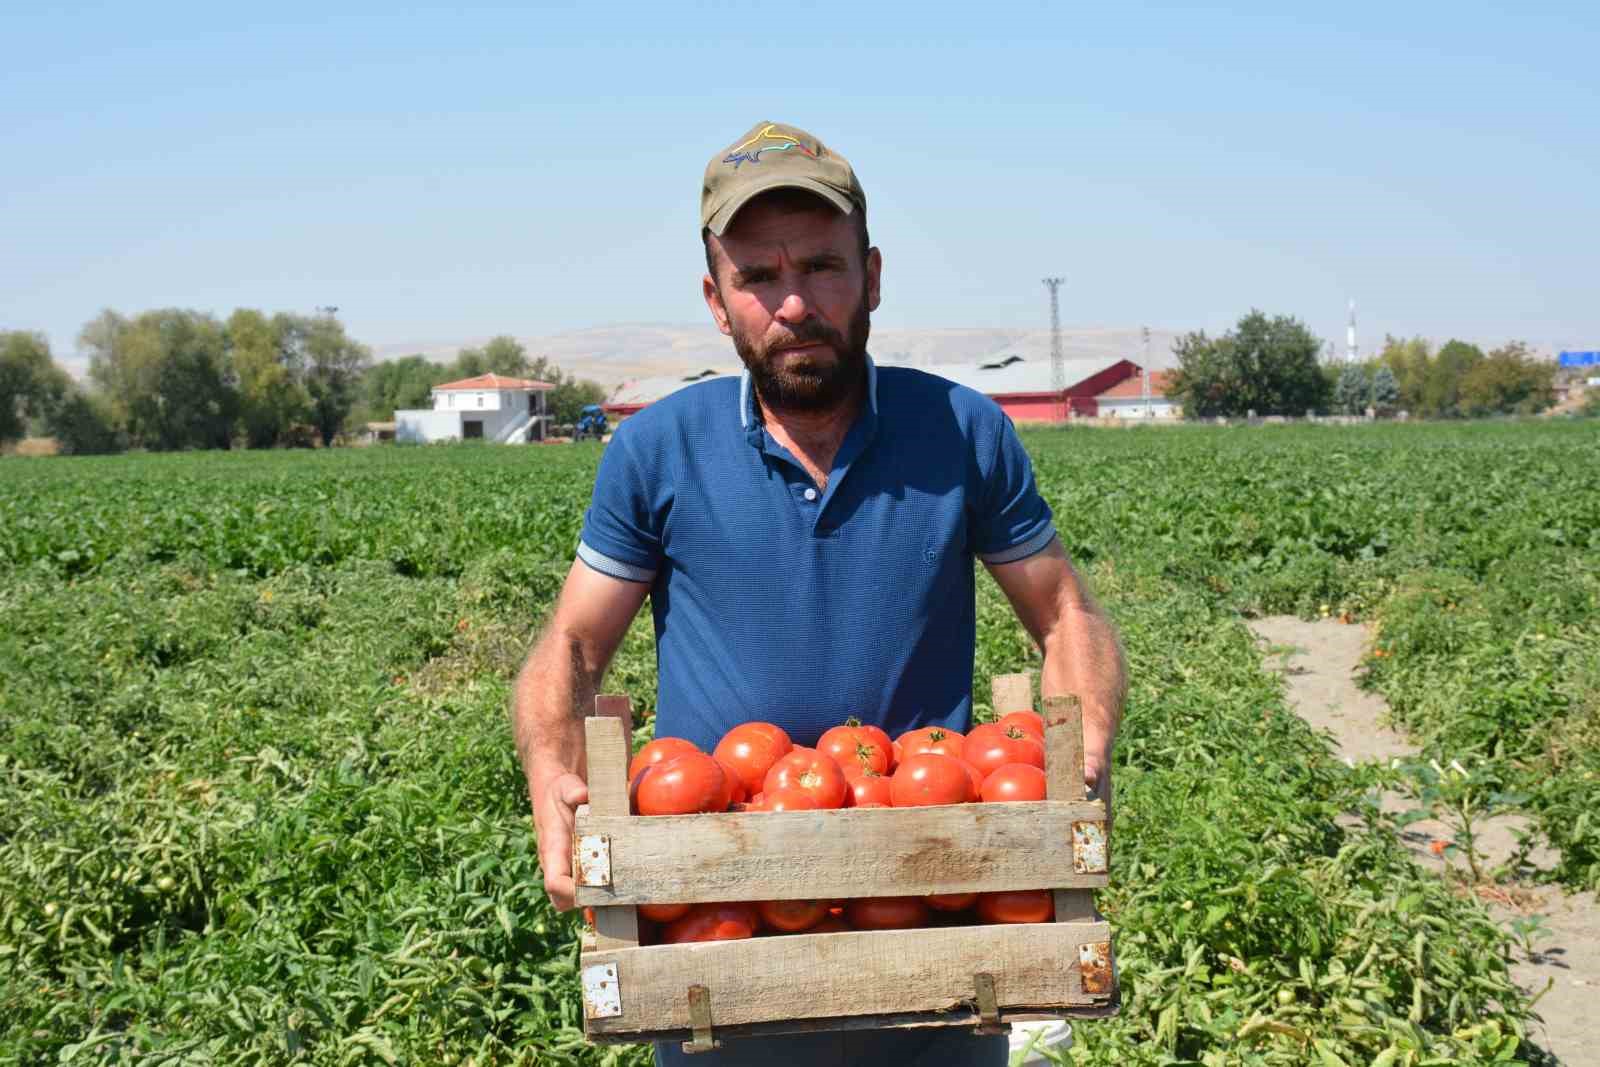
(259, 801)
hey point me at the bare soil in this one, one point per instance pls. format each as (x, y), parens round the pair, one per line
(1320, 661)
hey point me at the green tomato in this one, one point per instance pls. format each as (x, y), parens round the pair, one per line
(50, 910)
(1285, 997)
(166, 883)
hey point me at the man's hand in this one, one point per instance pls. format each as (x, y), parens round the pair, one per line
(555, 802)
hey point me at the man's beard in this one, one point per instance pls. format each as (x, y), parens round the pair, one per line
(801, 383)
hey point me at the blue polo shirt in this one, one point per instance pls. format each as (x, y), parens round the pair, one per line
(774, 600)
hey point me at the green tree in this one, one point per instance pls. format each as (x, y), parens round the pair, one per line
(29, 381)
(1441, 389)
(1264, 365)
(1509, 380)
(270, 398)
(165, 376)
(397, 384)
(1385, 391)
(503, 355)
(328, 364)
(1409, 362)
(1351, 392)
(570, 396)
(83, 424)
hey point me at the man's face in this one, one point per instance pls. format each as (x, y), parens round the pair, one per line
(794, 293)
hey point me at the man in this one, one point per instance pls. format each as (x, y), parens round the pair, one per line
(806, 536)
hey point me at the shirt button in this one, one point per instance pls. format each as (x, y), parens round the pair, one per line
(811, 494)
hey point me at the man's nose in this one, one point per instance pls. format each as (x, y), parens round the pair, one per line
(796, 306)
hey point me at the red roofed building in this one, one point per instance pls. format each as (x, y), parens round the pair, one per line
(1134, 398)
(489, 407)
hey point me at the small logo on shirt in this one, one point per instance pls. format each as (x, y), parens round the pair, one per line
(931, 555)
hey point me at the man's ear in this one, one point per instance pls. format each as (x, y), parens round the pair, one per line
(713, 298)
(874, 275)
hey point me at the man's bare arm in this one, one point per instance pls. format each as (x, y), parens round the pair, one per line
(554, 693)
(1082, 655)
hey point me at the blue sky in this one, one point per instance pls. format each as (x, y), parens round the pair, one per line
(449, 174)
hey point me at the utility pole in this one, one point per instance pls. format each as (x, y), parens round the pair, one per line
(1058, 365)
(1144, 367)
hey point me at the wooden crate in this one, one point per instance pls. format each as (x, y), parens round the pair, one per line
(978, 976)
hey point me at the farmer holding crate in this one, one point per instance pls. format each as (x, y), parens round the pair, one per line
(806, 536)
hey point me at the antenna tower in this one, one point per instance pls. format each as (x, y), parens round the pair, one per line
(1058, 365)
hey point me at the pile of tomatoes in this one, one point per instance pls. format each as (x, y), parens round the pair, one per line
(756, 767)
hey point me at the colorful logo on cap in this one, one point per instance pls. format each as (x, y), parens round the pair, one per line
(750, 153)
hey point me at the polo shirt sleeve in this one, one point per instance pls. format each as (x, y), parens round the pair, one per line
(1013, 521)
(622, 528)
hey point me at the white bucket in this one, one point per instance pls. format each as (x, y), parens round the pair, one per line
(1028, 1038)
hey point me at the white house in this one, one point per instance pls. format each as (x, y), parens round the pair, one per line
(487, 408)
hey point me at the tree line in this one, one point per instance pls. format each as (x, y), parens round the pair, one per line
(1273, 366)
(174, 379)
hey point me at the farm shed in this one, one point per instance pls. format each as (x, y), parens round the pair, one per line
(1021, 387)
(489, 407)
(1128, 400)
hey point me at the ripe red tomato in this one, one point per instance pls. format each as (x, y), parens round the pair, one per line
(682, 785)
(974, 781)
(833, 924)
(792, 916)
(733, 786)
(1027, 721)
(751, 748)
(931, 739)
(929, 778)
(713, 922)
(1012, 782)
(787, 800)
(1017, 906)
(663, 913)
(850, 745)
(886, 913)
(868, 787)
(811, 771)
(991, 745)
(655, 751)
(951, 901)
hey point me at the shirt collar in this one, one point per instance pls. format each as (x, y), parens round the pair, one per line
(750, 419)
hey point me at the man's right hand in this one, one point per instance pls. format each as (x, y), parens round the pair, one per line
(555, 803)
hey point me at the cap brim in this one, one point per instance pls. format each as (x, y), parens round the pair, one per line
(723, 216)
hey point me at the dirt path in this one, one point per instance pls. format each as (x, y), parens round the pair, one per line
(1319, 660)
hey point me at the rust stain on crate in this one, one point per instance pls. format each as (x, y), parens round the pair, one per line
(1089, 847)
(1094, 960)
(592, 854)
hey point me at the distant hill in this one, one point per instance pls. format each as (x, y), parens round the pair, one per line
(612, 355)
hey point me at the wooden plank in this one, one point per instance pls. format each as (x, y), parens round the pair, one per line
(959, 848)
(1011, 692)
(1063, 748)
(837, 976)
(607, 748)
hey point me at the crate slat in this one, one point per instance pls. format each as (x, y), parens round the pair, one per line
(789, 983)
(877, 852)
(607, 736)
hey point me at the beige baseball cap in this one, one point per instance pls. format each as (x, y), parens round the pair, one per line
(770, 156)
